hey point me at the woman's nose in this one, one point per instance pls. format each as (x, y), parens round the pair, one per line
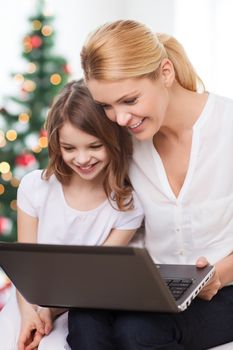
(123, 118)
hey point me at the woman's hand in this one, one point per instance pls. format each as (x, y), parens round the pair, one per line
(213, 285)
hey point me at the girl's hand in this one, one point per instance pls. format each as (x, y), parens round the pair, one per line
(47, 317)
(213, 285)
(32, 330)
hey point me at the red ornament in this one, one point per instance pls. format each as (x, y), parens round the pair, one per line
(25, 159)
(5, 225)
(67, 69)
(5, 289)
(43, 133)
(36, 41)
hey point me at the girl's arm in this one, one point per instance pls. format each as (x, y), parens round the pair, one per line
(32, 328)
(48, 315)
(35, 321)
(27, 227)
(119, 237)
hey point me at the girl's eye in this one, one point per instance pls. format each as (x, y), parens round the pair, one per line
(68, 149)
(97, 146)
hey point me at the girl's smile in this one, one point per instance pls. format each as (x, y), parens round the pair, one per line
(87, 169)
(83, 153)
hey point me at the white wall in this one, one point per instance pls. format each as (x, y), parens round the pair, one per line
(74, 19)
(13, 26)
(204, 27)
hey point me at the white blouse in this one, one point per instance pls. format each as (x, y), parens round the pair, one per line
(61, 224)
(199, 222)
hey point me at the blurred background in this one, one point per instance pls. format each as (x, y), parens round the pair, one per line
(40, 45)
(204, 27)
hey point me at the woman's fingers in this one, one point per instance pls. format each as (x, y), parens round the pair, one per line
(202, 262)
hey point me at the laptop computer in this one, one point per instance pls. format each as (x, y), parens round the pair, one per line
(120, 278)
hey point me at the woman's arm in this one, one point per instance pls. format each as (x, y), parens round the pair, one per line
(224, 268)
(119, 237)
(223, 275)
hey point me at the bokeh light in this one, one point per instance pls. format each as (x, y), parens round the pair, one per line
(13, 204)
(7, 176)
(2, 189)
(55, 79)
(46, 30)
(4, 167)
(43, 142)
(32, 67)
(36, 25)
(24, 118)
(11, 135)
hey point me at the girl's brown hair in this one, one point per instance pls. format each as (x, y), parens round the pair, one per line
(76, 106)
(128, 49)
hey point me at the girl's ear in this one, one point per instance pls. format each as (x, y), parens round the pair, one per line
(167, 72)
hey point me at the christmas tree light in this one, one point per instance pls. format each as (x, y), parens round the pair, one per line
(23, 140)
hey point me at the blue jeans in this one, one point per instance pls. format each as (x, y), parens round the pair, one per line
(203, 325)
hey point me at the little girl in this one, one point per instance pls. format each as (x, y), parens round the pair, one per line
(84, 197)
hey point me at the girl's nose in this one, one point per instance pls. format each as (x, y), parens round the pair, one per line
(82, 157)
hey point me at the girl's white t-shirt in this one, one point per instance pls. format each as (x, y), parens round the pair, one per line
(199, 222)
(60, 224)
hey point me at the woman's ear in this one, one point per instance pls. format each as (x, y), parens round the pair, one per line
(167, 72)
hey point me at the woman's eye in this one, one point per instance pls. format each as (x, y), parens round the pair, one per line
(105, 106)
(131, 101)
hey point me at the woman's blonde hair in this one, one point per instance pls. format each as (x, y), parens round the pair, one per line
(128, 49)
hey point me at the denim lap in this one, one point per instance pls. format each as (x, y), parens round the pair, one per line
(203, 325)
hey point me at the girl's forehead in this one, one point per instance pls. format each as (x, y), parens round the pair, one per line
(73, 135)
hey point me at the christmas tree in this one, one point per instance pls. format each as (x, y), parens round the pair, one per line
(23, 141)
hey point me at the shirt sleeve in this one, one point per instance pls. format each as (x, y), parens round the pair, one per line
(26, 194)
(131, 219)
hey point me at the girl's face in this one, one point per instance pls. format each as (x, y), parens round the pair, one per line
(140, 104)
(83, 153)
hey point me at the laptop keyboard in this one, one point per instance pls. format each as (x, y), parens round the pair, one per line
(178, 286)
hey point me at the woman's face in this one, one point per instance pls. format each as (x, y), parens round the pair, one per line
(140, 104)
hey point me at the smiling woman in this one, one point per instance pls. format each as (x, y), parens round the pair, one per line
(126, 102)
(181, 168)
